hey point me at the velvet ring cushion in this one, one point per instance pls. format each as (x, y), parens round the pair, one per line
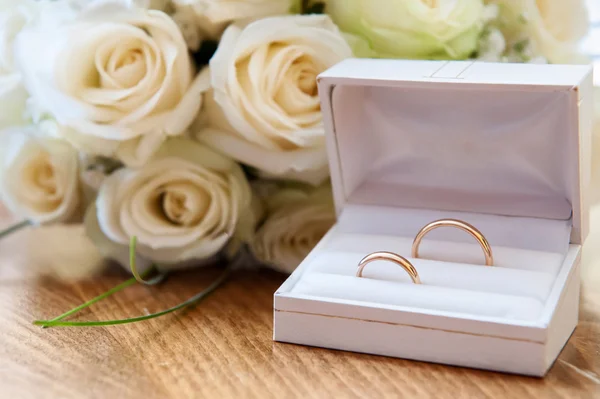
(485, 245)
(391, 257)
(457, 276)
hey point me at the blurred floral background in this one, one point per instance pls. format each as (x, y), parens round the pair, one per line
(195, 125)
(591, 255)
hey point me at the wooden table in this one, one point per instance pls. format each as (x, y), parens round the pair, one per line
(223, 347)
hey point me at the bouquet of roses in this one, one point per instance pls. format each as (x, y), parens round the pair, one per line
(177, 131)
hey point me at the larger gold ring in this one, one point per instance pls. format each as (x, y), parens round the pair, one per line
(485, 245)
(391, 257)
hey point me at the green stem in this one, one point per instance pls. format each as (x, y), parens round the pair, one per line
(100, 297)
(133, 267)
(13, 228)
(137, 277)
(196, 298)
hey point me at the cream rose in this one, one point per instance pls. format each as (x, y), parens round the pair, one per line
(201, 20)
(297, 220)
(39, 176)
(266, 110)
(492, 46)
(118, 79)
(184, 204)
(412, 28)
(14, 15)
(218, 12)
(162, 5)
(554, 27)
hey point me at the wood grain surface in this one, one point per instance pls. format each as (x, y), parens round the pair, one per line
(223, 348)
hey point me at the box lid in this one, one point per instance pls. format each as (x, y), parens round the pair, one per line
(504, 139)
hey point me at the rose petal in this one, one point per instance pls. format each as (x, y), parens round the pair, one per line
(308, 165)
(108, 248)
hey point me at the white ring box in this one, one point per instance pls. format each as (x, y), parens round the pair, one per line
(505, 147)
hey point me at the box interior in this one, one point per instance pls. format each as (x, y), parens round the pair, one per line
(461, 148)
(502, 159)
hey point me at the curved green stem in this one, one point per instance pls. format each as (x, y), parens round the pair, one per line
(133, 267)
(100, 297)
(201, 295)
(137, 277)
(14, 228)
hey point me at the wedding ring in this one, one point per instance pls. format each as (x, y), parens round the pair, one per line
(391, 257)
(485, 245)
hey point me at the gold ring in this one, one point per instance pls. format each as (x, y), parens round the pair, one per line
(392, 257)
(485, 245)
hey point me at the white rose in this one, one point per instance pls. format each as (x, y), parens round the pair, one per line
(119, 80)
(438, 29)
(201, 20)
(39, 176)
(554, 27)
(492, 46)
(266, 111)
(297, 221)
(162, 5)
(184, 204)
(14, 15)
(218, 12)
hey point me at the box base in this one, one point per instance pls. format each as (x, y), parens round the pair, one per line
(492, 351)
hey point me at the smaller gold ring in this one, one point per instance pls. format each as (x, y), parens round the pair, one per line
(485, 245)
(391, 257)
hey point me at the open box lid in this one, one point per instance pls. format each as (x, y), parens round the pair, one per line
(499, 139)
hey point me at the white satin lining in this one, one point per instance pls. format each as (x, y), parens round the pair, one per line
(503, 151)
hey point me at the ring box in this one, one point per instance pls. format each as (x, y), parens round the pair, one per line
(505, 147)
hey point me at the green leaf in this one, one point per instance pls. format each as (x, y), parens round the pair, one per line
(105, 165)
(315, 8)
(520, 46)
(205, 52)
